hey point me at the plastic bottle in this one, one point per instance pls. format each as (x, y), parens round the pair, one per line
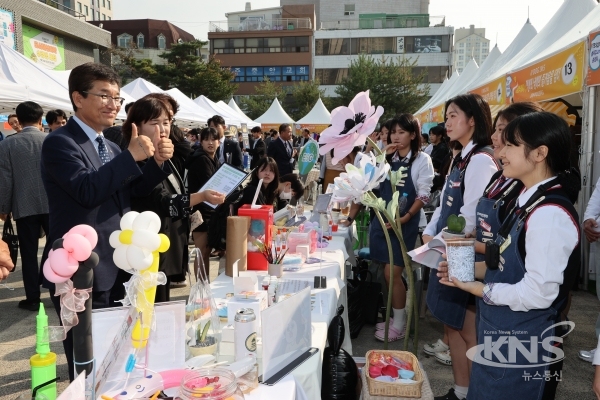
(300, 207)
(402, 202)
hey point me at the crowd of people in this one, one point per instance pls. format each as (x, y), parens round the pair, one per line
(509, 178)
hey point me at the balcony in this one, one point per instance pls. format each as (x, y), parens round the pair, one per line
(383, 21)
(261, 24)
(62, 8)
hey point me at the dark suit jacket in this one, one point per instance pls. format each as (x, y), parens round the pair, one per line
(278, 151)
(83, 191)
(233, 153)
(259, 151)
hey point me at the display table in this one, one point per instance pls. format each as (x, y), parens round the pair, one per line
(308, 375)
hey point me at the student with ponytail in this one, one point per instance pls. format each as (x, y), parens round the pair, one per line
(531, 267)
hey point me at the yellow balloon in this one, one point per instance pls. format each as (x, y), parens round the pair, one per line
(164, 243)
(125, 236)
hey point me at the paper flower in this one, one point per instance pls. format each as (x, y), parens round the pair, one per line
(397, 177)
(369, 199)
(356, 181)
(350, 126)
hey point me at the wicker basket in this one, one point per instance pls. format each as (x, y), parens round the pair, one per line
(377, 388)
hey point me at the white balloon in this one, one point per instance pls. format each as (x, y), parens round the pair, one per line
(114, 239)
(139, 258)
(127, 220)
(145, 239)
(148, 221)
(120, 257)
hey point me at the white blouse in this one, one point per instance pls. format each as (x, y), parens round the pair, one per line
(551, 237)
(477, 176)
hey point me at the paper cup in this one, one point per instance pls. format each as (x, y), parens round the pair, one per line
(461, 259)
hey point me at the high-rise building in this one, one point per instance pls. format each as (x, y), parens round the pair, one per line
(470, 43)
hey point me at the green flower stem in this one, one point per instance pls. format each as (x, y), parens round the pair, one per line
(375, 147)
(390, 285)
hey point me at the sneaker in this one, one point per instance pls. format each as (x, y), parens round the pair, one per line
(178, 284)
(432, 348)
(448, 396)
(587, 355)
(393, 334)
(30, 305)
(444, 357)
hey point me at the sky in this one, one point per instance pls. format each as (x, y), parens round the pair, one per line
(502, 19)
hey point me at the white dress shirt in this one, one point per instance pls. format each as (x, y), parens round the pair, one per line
(551, 237)
(592, 211)
(428, 149)
(477, 176)
(422, 174)
(91, 133)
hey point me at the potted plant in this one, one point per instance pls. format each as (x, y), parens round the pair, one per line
(455, 227)
(201, 343)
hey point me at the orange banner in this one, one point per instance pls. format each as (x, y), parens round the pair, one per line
(436, 114)
(493, 92)
(593, 75)
(313, 128)
(554, 77)
(423, 117)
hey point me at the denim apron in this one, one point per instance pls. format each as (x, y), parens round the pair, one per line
(487, 212)
(410, 230)
(448, 304)
(497, 382)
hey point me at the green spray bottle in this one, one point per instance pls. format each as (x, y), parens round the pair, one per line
(43, 364)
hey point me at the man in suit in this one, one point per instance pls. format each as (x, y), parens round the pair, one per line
(305, 137)
(282, 150)
(229, 150)
(22, 193)
(89, 180)
(257, 149)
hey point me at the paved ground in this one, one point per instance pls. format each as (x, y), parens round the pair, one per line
(17, 343)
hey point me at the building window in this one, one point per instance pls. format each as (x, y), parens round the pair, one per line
(92, 2)
(104, 3)
(104, 17)
(67, 3)
(79, 7)
(286, 73)
(97, 15)
(349, 9)
(109, 17)
(140, 41)
(162, 42)
(108, 2)
(87, 13)
(124, 40)
(331, 76)
(461, 57)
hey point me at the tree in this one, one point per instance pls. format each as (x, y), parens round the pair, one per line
(266, 91)
(304, 96)
(183, 70)
(392, 85)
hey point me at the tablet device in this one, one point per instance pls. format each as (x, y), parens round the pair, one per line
(225, 180)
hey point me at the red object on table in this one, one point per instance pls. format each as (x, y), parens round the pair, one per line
(261, 219)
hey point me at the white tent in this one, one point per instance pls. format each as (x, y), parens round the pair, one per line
(551, 38)
(459, 86)
(188, 109)
(233, 105)
(140, 87)
(440, 94)
(319, 115)
(231, 118)
(244, 118)
(487, 64)
(275, 115)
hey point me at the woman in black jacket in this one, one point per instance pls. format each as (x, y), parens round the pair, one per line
(152, 117)
(201, 165)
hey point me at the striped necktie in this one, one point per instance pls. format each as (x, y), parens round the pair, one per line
(102, 150)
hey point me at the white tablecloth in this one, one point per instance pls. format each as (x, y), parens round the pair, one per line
(308, 375)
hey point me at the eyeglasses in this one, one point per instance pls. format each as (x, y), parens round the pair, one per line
(117, 100)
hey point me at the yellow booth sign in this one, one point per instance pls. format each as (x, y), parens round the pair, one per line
(556, 76)
(493, 92)
(593, 75)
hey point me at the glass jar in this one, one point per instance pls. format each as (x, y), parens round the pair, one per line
(210, 384)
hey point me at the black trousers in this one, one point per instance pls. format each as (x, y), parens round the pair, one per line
(104, 299)
(28, 231)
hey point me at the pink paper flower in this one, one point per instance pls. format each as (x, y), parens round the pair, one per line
(350, 126)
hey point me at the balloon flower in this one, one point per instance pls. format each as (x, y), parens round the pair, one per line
(137, 246)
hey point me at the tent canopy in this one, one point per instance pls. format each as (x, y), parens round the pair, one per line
(233, 105)
(228, 114)
(187, 108)
(275, 115)
(318, 115)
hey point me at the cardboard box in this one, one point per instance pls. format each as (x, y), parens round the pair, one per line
(261, 219)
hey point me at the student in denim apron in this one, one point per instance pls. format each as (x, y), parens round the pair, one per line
(501, 192)
(403, 150)
(468, 121)
(535, 263)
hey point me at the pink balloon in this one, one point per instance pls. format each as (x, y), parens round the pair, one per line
(62, 264)
(77, 246)
(87, 232)
(51, 276)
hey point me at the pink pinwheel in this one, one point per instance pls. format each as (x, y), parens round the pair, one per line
(350, 126)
